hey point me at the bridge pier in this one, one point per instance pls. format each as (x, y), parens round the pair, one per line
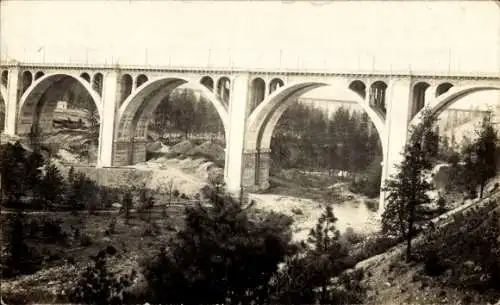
(238, 113)
(13, 95)
(256, 168)
(129, 151)
(109, 113)
(398, 104)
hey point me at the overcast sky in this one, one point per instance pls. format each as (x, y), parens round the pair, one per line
(441, 36)
(426, 35)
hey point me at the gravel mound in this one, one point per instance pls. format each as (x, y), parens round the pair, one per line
(209, 150)
(183, 147)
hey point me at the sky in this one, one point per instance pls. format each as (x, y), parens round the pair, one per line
(360, 35)
(428, 36)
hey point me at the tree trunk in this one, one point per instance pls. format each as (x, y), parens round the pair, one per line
(481, 190)
(409, 237)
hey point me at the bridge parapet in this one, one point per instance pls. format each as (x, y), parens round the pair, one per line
(416, 74)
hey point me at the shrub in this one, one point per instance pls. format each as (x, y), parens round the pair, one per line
(352, 237)
(373, 246)
(372, 205)
(470, 247)
(97, 285)
(52, 231)
(85, 240)
(112, 226)
(18, 258)
(221, 255)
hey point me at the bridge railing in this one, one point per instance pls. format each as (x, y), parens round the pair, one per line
(236, 69)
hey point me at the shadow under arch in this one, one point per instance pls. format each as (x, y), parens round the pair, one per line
(3, 106)
(440, 103)
(31, 102)
(138, 107)
(264, 118)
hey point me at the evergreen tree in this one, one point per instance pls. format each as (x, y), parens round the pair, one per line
(220, 256)
(33, 165)
(327, 252)
(486, 150)
(20, 259)
(13, 172)
(408, 188)
(83, 192)
(127, 204)
(51, 187)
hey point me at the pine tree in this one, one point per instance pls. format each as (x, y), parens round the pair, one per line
(327, 251)
(408, 188)
(13, 172)
(485, 146)
(34, 162)
(20, 258)
(127, 203)
(51, 187)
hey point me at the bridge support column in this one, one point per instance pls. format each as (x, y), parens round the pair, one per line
(13, 95)
(397, 119)
(256, 168)
(109, 112)
(129, 151)
(238, 113)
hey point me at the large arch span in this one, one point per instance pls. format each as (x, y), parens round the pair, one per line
(264, 118)
(33, 102)
(138, 107)
(443, 101)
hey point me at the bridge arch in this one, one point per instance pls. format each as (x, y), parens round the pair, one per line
(140, 79)
(275, 84)
(137, 109)
(377, 97)
(3, 107)
(262, 121)
(85, 76)
(443, 88)
(126, 87)
(33, 101)
(418, 100)
(264, 118)
(39, 74)
(4, 78)
(358, 87)
(441, 102)
(27, 80)
(3, 92)
(97, 81)
(224, 89)
(258, 92)
(208, 82)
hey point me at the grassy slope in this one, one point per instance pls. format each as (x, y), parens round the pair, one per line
(391, 281)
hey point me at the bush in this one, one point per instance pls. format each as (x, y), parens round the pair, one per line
(52, 231)
(470, 246)
(372, 205)
(352, 237)
(373, 246)
(85, 240)
(220, 256)
(18, 258)
(97, 285)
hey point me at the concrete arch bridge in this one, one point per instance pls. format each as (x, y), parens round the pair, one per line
(249, 103)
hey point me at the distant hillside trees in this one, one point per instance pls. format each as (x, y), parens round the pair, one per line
(183, 112)
(346, 141)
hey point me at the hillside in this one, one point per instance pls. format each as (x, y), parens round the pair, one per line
(390, 280)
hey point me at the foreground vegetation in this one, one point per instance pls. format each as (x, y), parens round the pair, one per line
(222, 250)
